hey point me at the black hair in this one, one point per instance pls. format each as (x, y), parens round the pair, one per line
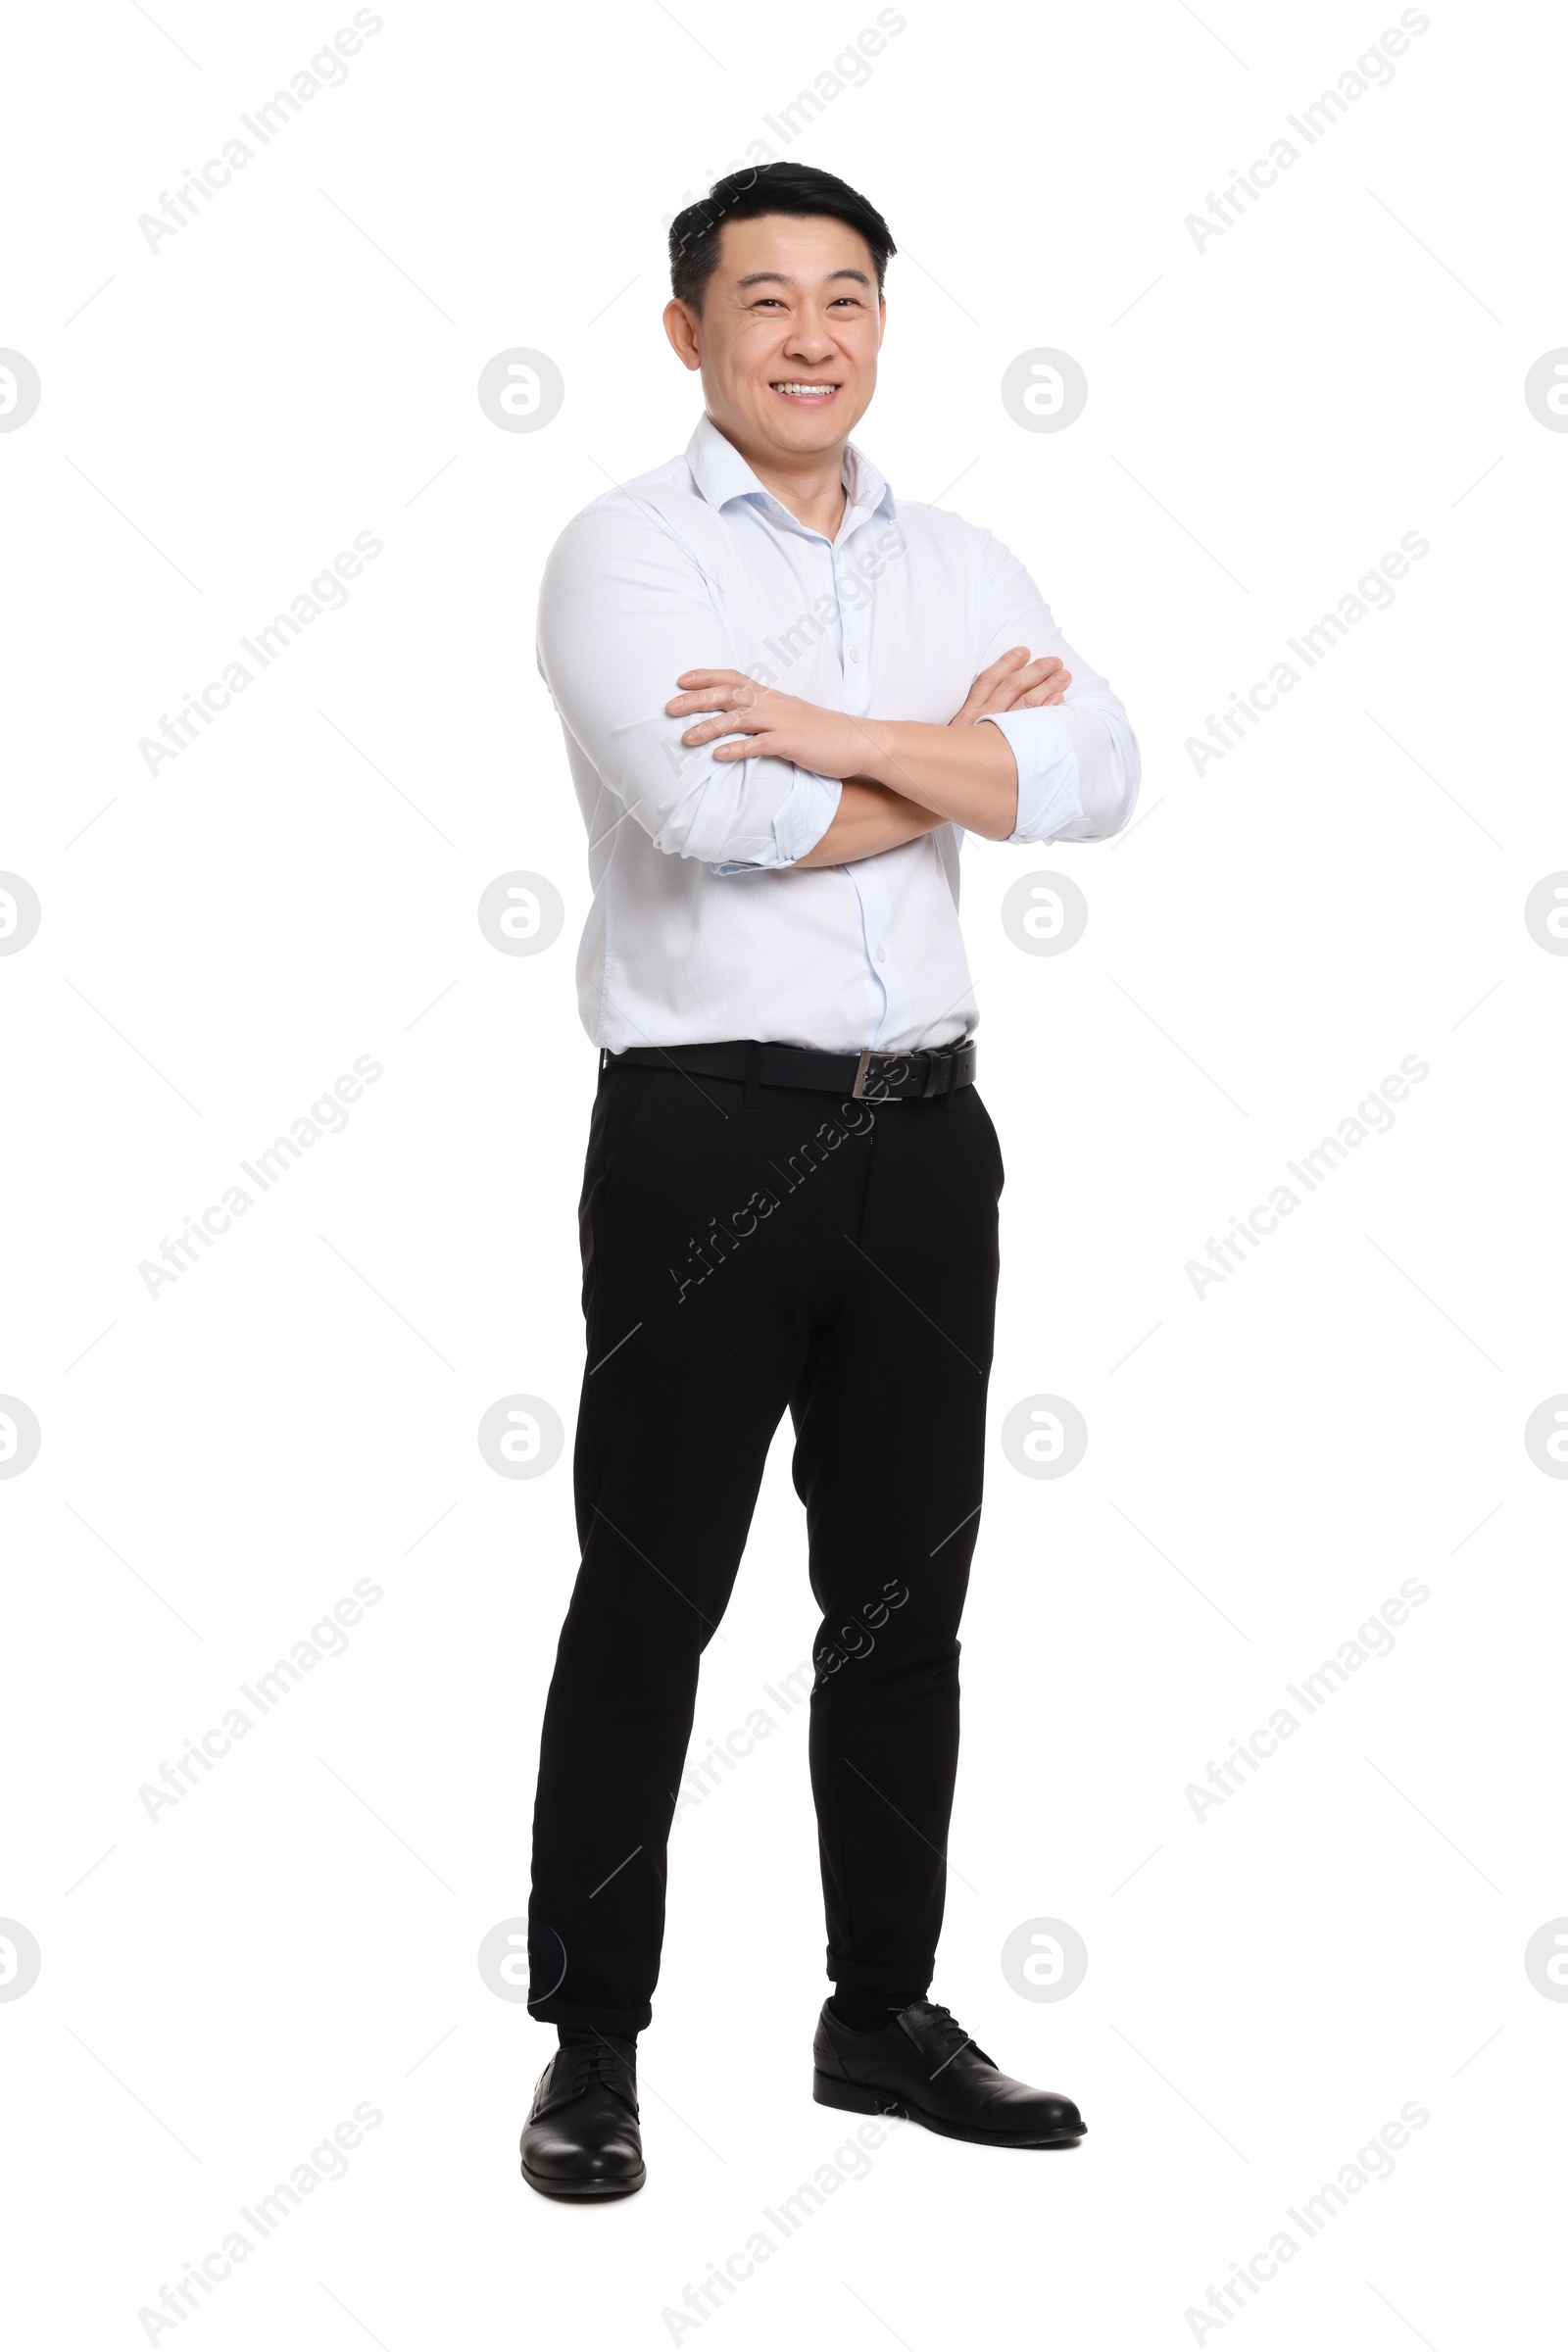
(746, 195)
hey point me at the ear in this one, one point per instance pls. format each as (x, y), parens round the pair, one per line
(681, 325)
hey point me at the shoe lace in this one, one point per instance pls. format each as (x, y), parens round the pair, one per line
(941, 2026)
(596, 2064)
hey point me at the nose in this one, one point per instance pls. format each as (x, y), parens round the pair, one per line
(811, 339)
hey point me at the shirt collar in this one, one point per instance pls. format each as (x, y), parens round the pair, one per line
(721, 473)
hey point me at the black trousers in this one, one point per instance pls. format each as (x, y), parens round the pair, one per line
(748, 1248)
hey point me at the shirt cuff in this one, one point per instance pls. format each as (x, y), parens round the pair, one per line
(807, 811)
(1048, 771)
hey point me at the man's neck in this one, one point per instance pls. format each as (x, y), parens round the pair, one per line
(812, 486)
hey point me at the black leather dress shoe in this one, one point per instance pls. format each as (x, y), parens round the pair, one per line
(922, 2065)
(581, 2137)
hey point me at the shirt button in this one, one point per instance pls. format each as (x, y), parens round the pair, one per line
(881, 954)
(855, 652)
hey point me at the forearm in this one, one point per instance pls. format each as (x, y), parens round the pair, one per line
(963, 775)
(869, 817)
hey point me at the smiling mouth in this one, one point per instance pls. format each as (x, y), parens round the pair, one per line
(797, 389)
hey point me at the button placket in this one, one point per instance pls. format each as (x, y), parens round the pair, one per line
(876, 918)
(853, 653)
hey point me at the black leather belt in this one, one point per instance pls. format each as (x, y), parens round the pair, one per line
(863, 1077)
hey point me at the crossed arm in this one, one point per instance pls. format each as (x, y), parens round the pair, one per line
(745, 779)
(901, 779)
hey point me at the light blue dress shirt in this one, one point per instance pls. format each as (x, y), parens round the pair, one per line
(700, 928)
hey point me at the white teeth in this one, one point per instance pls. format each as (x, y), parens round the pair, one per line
(815, 391)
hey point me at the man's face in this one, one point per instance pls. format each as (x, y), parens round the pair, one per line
(788, 333)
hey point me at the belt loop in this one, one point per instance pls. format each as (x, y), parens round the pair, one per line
(754, 1055)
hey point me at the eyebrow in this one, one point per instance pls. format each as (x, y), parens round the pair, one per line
(782, 277)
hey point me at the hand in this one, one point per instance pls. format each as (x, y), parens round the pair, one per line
(770, 724)
(1014, 683)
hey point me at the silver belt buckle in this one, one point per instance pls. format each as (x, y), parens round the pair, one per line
(857, 1093)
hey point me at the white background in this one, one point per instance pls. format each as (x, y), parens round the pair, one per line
(1345, 1933)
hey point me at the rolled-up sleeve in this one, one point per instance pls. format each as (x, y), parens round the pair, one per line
(624, 609)
(1078, 764)
(805, 816)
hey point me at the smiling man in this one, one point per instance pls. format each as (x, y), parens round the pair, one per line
(786, 696)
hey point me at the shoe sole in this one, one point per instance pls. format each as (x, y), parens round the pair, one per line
(858, 2099)
(586, 2193)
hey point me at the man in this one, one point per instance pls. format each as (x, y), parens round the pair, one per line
(785, 696)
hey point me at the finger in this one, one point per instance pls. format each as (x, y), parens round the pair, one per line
(712, 677)
(713, 698)
(712, 689)
(732, 722)
(709, 730)
(987, 681)
(1023, 689)
(1002, 664)
(1017, 690)
(1006, 697)
(993, 689)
